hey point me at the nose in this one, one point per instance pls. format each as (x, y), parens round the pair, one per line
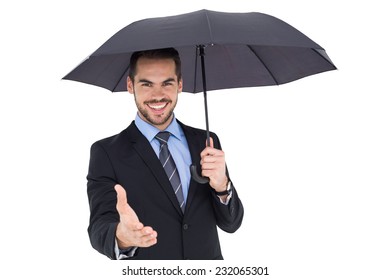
(158, 92)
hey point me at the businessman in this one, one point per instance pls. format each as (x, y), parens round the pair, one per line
(143, 202)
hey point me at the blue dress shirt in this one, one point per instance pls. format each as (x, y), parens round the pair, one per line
(177, 145)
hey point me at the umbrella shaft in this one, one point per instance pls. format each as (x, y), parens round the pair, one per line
(207, 120)
(201, 54)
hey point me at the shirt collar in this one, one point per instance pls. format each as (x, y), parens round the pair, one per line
(149, 131)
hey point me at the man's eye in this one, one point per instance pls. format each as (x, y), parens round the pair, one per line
(167, 84)
(146, 84)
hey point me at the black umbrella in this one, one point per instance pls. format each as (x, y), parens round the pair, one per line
(243, 50)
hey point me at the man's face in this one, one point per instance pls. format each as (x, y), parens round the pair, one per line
(155, 90)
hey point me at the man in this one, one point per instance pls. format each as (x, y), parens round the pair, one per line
(139, 209)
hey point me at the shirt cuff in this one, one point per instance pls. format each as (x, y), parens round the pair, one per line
(122, 254)
(227, 199)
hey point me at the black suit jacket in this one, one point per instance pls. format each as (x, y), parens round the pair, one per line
(128, 159)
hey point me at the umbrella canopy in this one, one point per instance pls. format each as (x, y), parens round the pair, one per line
(242, 50)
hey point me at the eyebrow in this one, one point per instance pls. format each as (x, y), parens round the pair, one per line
(150, 82)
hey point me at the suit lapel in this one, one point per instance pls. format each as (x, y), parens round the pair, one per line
(143, 148)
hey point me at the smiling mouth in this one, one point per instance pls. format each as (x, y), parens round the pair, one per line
(157, 106)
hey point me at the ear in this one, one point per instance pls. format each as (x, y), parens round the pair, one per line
(130, 86)
(180, 86)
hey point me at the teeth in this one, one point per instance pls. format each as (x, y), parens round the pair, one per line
(157, 107)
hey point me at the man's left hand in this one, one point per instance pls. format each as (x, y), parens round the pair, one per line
(214, 166)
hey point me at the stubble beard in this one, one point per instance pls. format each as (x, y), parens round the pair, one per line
(155, 121)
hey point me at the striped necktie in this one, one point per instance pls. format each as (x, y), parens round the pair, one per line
(170, 167)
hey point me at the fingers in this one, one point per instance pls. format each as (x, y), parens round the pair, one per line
(146, 237)
(211, 155)
(214, 166)
(210, 150)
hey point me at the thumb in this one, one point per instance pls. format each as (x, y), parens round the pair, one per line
(126, 213)
(211, 142)
(121, 204)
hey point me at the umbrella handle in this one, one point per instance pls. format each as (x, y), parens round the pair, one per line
(197, 178)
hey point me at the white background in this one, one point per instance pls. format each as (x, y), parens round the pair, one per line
(310, 159)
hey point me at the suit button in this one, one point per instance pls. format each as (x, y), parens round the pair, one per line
(185, 226)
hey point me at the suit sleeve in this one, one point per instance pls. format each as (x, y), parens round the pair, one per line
(229, 217)
(102, 201)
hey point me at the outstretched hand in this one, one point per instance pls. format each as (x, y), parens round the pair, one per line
(130, 232)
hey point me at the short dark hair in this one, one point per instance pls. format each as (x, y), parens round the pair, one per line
(171, 53)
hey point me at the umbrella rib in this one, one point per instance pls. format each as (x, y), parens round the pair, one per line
(120, 78)
(198, 46)
(209, 25)
(259, 58)
(196, 68)
(324, 56)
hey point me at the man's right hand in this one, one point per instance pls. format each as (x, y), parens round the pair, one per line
(130, 232)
